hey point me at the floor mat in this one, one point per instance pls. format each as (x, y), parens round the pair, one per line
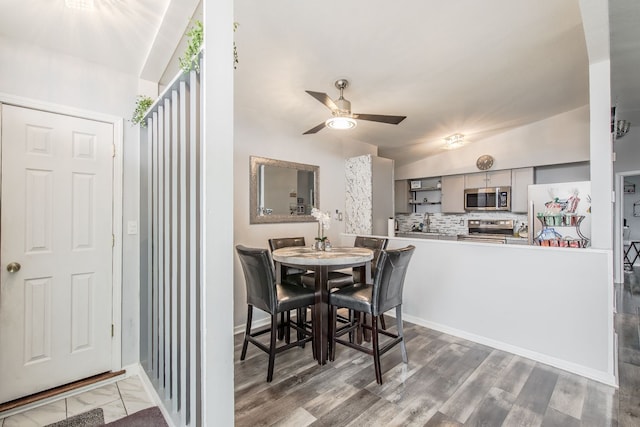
(145, 418)
(94, 417)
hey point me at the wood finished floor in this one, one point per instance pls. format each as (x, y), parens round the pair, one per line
(448, 382)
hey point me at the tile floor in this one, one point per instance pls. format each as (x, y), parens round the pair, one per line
(117, 400)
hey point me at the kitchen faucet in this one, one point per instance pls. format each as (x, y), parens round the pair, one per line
(427, 222)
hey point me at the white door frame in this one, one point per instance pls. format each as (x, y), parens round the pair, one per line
(118, 136)
(618, 244)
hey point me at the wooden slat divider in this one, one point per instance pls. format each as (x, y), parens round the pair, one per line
(173, 247)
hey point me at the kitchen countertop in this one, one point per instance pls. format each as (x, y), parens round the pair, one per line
(443, 236)
(426, 235)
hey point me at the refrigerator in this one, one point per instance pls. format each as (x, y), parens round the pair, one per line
(559, 214)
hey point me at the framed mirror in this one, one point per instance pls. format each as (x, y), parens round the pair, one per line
(282, 191)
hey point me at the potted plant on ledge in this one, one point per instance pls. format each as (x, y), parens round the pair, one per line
(324, 221)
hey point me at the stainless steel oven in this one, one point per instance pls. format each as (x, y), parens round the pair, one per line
(487, 199)
(488, 230)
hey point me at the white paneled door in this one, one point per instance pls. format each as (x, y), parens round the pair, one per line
(56, 250)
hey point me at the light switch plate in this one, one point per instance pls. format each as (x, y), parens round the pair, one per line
(132, 227)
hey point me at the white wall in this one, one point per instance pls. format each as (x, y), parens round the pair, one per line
(563, 173)
(45, 76)
(254, 139)
(563, 138)
(218, 217)
(548, 304)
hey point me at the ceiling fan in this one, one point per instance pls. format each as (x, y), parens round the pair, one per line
(341, 110)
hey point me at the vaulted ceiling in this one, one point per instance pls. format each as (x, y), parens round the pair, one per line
(473, 67)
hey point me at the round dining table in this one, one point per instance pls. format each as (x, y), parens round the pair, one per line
(321, 262)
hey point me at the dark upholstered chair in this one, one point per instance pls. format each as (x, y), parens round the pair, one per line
(264, 293)
(384, 294)
(376, 244)
(291, 275)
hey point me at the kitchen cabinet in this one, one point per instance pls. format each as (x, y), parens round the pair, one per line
(401, 196)
(453, 193)
(501, 178)
(424, 192)
(521, 179)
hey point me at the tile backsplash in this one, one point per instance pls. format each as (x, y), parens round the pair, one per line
(452, 224)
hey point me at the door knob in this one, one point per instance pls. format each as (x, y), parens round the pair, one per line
(13, 267)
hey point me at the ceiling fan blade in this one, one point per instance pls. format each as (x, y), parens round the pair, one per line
(393, 120)
(324, 98)
(315, 129)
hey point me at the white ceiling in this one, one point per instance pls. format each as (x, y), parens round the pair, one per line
(468, 66)
(117, 33)
(476, 68)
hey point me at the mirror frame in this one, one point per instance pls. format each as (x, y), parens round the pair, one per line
(256, 162)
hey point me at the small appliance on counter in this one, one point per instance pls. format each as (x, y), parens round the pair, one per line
(523, 231)
(488, 230)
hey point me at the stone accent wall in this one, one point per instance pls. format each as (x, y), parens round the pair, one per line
(358, 202)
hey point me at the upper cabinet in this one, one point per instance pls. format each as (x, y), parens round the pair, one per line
(401, 196)
(452, 193)
(425, 194)
(501, 178)
(521, 179)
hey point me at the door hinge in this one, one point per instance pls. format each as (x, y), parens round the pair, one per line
(113, 150)
(113, 240)
(112, 330)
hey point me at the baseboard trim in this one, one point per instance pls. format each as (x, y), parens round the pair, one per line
(600, 376)
(151, 391)
(239, 329)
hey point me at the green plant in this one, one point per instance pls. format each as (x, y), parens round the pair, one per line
(142, 105)
(190, 60)
(195, 34)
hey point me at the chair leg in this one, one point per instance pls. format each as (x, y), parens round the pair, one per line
(363, 334)
(272, 346)
(383, 324)
(352, 318)
(247, 332)
(359, 333)
(281, 327)
(301, 314)
(287, 328)
(376, 348)
(403, 347)
(332, 332)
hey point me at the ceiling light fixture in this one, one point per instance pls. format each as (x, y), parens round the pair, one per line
(340, 123)
(79, 4)
(454, 141)
(622, 128)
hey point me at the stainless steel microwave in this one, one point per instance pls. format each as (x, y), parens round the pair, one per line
(487, 199)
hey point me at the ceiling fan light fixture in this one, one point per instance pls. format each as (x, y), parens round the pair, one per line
(341, 123)
(454, 141)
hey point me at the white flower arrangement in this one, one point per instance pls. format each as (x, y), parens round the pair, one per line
(324, 222)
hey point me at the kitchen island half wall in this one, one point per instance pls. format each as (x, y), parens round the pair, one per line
(553, 305)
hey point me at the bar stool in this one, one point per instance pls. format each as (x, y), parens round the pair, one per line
(384, 294)
(264, 293)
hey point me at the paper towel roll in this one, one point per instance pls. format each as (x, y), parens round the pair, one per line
(391, 228)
